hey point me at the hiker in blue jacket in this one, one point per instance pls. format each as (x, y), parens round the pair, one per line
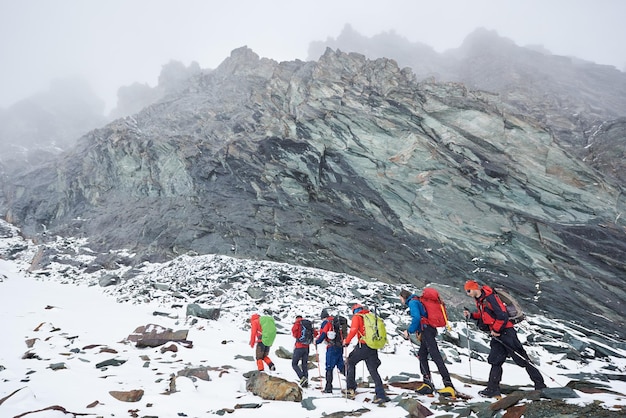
(428, 345)
(334, 350)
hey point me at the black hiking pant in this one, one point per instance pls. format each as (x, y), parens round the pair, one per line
(301, 356)
(363, 353)
(510, 346)
(429, 346)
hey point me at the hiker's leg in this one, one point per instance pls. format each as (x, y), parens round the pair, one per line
(305, 363)
(259, 354)
(520, 357)
(332, 357)
(329, 381)
(353, 358)
(341, 365)
(266, 358)
(295, 361)
(372, 362)
(429, 339)
(496, 358)
(422, 355)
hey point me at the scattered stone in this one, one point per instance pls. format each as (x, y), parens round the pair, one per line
(153, 335)
(57, 366)
(272, 387)
(199, 372)
(127, 396)
(172, 347)
(110, 362)
(194, 309)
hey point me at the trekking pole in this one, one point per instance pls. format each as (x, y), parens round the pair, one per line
(469, 349)
(339, 378)
(319, 370)
(345, 369)
(525, 359)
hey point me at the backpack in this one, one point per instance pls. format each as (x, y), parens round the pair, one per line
(306, 332)
(268, 330)
(513, 309)
(340, 328)
(375, 333)
(436, 315)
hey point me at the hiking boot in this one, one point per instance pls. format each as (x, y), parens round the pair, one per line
(380, 401)
(540, 386)
(425, 389)
(272, 367)
(350, 393)
(304, 382)
(448, 391)
(490, 393)
(328, 389)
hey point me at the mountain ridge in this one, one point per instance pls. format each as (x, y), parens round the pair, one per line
(346, 164)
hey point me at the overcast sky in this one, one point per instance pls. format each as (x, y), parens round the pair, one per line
(117, 42)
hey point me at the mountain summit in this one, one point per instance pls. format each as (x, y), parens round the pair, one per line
(347, 164)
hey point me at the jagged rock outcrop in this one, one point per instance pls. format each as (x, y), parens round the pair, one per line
(572, 98)
(346, 164)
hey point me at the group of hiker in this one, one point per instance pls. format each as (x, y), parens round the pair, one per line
(427, 313)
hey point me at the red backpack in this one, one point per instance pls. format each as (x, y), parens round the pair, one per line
(435, 308)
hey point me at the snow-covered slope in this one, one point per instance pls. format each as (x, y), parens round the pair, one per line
(59, 325)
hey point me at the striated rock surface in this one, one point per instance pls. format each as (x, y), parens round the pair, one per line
(574, 99)
(346, 164)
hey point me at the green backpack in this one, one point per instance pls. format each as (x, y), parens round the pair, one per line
(268, 333)
(375, 333)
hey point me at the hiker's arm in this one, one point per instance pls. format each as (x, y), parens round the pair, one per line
(355, 325)
(475, 315)
(500, 316)
(253, 332)
(416, 317)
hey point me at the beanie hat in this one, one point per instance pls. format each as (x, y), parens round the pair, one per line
(405, 294)
(471, 285)
(356, 307)
(324, 314)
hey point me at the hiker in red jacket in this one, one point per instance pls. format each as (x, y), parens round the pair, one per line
(362, 352)
(504, 342)
(300, 358)
(256, 337)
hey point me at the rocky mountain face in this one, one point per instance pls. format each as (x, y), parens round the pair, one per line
(350, 165)
(577, 101)
(44, 125)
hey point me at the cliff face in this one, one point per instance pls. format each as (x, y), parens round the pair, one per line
(575, 100)
(347, 164)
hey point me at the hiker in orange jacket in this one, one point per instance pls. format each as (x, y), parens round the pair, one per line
(256, 337)
(360, 353)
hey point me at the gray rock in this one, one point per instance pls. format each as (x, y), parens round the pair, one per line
(346, 164)
(194, 309)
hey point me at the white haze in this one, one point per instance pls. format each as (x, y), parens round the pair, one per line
(112, 43)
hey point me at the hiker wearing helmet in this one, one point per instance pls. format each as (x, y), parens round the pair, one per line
(492, 316)
(262, 333)
(428, 345)
(362, 352)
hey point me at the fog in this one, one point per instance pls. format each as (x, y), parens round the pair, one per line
(113, 43)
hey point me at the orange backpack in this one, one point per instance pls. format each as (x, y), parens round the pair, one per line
(435, 308)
